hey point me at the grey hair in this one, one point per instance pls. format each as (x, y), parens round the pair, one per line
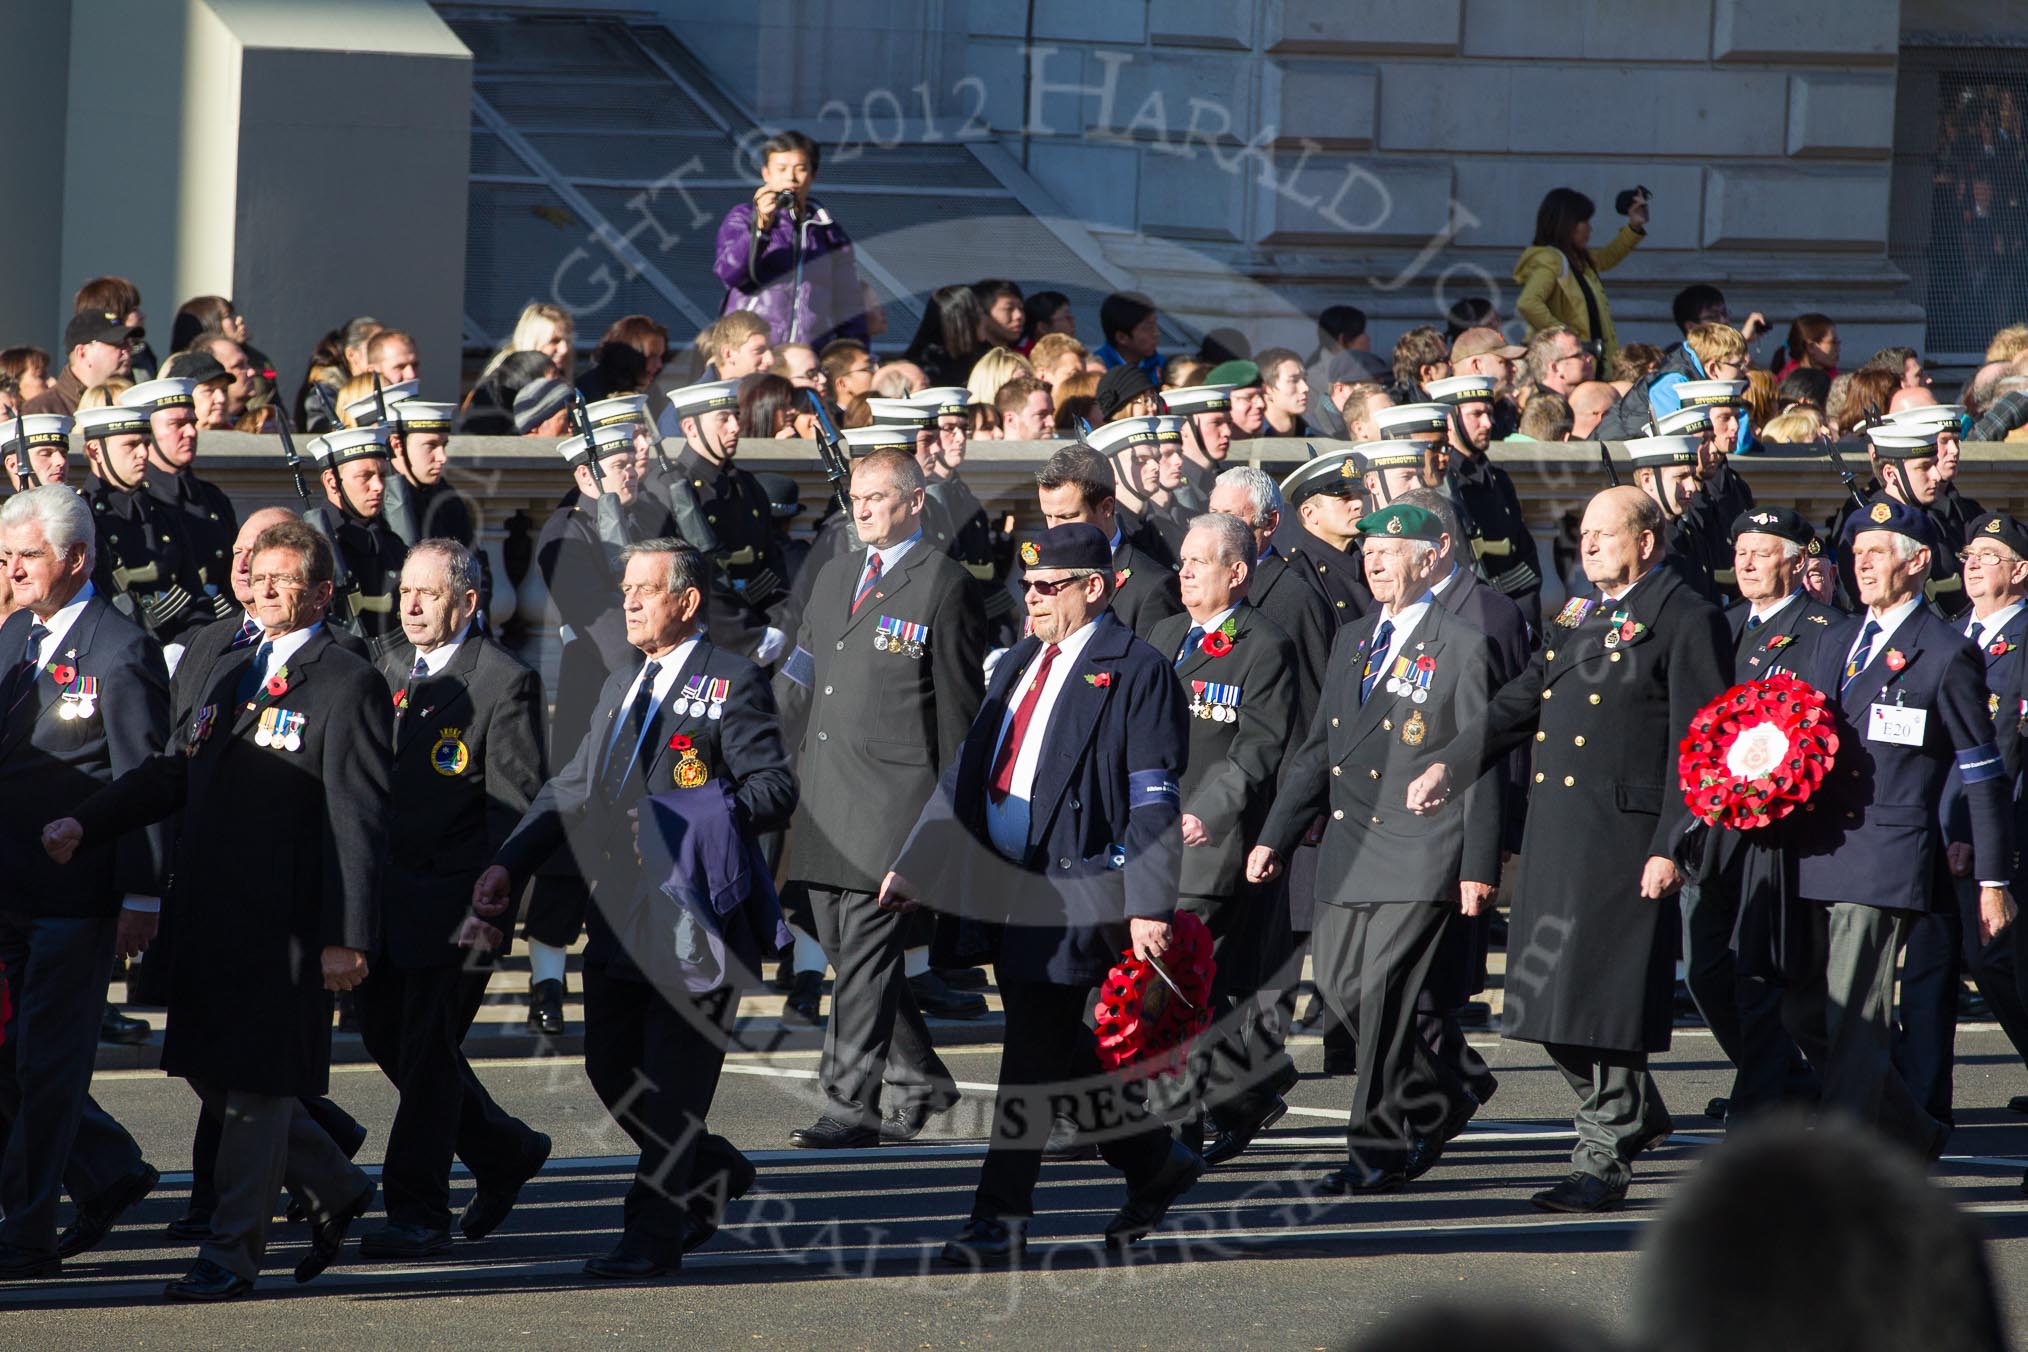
(62, 515)
(687, 567)
(1233, 537)
(1905, 546)
(1541, 354)
(461, 569)
(1262, 494)
(1440, 507)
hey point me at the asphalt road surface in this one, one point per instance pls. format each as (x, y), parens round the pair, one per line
(837, 1251)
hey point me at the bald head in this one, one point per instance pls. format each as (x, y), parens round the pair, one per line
(1588, 404)
(243, 545)
(1620, 539)
(1913, 396)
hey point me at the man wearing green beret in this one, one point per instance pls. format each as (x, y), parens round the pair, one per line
(1249, 399)
(1405, 678)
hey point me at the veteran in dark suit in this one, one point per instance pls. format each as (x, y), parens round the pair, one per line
(1591, 952)
(1290, 602)
(83, 699)
(883, 684)
(1239, 674)
(1733, 913)
(287, 755)
(1403, 681)
(688, 715)
(1077, 485)
(1053, 842)
(1910, 694)
(467, 762)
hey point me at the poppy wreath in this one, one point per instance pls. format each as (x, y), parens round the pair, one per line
(1143, 1029)
(1757, 752)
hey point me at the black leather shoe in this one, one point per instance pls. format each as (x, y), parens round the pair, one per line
(493, 1199)
(1483, 1088)
(962, 978)
(1425, 1151)
(121, 1031)
(629, 1262)
(2018, 1104)
(1360, 1180)
(1151, 1200)
(1232, 1140)
(98, 1216)
(906, 1122)
(1313, 1015)
(545, 1008)
(805, 993)
(327, 1236)
(208, 1281)
(828, 1133)
(190, 1227)
(1717, 1108)
(18, 1265)
(784, 977)
(938, 1000)
(985, 1242)
(393, 1243)
(1065, 1144)
(1582, 1192)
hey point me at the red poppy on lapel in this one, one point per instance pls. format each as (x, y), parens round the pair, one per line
(679, 743)
(1100, 679)
(63, 675)
(1895, 661)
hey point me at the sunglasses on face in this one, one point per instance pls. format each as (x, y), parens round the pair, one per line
(1046, 588)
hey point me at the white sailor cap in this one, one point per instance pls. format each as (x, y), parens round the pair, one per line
(1334, 472)
(168, 392)
(38, 429)
(1903, 441)
(943, 399)
(1460, 390)
(708, 397)
(1198, 399)
(607, 441)
(348, 444)
(901, 413)
(1122, 434)
(879, 437)
(1655, 451)
(1401, 418)
(621, 408)
(1688, 421)
(365, 410)
(1168, 427)
(1376, 455)
(420, 415)
(96, 424)
(1947, 416)
(1711, 393)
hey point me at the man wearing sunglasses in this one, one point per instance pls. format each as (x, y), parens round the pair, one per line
(1058, 830)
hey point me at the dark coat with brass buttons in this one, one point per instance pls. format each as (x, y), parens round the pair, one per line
(209, 525)
(1357, 760)
(1590, 962)
(1144, 592)
(738, 511)
(876, 723)
(143, 564)
(1872, 833)
(1336, 575)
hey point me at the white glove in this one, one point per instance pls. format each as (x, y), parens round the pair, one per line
(772, 642)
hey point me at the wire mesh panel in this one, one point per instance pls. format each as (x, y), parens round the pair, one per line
(1960, 225)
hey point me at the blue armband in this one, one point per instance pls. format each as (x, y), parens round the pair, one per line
(1152, 786)
(801, 667)
(1980, 763)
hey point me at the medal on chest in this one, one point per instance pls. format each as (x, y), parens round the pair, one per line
(900, 636)
(691, 772)
(1213, 701)
(281, 730)
(80, 698)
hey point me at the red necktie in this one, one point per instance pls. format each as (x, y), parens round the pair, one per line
(1010, 748)
(872, 579)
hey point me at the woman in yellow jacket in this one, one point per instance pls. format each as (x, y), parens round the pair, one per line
(1559, 274)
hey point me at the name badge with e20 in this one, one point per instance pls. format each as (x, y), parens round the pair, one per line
(1896, 724)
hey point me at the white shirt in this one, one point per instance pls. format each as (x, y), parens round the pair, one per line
(1205, 628)
(1992, 624)
(1007, 822)
(1889, 623)
(1773, 610)
(1445, 581)
(59, 624)
(436, 659)
(285, 647)
(1405, 620)
(888, 557)
(665, 679)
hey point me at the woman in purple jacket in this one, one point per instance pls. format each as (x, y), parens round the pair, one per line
(783, 257)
